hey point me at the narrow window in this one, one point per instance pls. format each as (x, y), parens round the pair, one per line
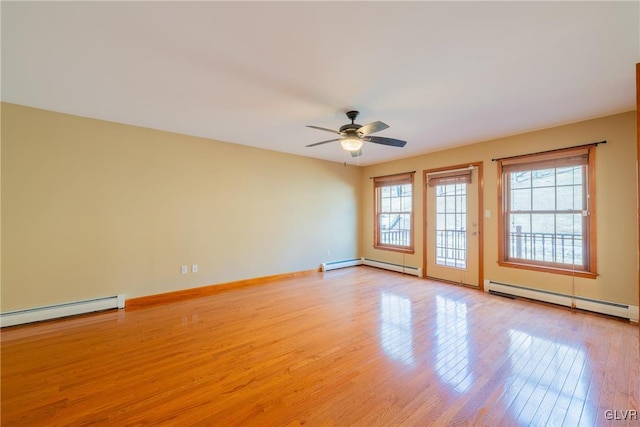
(547, 207)
(393, 224)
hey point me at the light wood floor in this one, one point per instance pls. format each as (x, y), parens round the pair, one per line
(358, 346)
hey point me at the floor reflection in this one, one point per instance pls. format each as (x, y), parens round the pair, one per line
(549, 381)
(396, 327)
(452, 357)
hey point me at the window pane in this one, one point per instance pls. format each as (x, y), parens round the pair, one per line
(543, 178)
(569, 176)
(543, 223)
(543, 199)
(568, 224)
(521, 220)
(450, 204)
(384, 221)
(406, 204)
(395, 204)
(520, 179)
(385, 205)
(461, 203)
(565, 198)
(578, 199)
(450, 222)
(521, 200)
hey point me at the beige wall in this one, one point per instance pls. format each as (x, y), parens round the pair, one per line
(617, 227)
(93, 208)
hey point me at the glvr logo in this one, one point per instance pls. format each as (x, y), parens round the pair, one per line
(621, 414)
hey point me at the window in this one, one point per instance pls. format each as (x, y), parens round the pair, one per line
(547, 207)
(394, 212)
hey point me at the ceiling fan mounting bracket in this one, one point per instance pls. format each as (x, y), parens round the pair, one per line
(352, 115)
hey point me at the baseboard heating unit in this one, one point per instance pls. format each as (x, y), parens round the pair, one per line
(605, 307)
(415, 271)
(19, 317)
(327, 266)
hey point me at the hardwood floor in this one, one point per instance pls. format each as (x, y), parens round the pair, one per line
(358, 346)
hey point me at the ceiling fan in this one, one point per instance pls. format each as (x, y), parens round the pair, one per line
(353, 135)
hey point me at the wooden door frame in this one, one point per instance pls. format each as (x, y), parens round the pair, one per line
(425, 172)
(638, 163)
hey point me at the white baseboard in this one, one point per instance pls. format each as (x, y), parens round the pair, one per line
(415, 271)
(328, 266)
(38, 314)
(605, 307)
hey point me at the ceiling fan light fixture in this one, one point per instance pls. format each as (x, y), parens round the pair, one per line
(352, 136)
(351, 143)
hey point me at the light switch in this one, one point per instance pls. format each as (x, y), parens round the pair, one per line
(487, 213)
(194, 268)
(184, 269)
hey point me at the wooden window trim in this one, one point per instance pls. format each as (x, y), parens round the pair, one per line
(590, 225)
(390, 180)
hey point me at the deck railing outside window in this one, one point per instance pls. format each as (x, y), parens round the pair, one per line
(550, 247)
(398, 237)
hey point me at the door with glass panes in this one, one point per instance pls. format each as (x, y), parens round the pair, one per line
(452, 228)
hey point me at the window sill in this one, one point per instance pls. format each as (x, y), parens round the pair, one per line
(548, 269)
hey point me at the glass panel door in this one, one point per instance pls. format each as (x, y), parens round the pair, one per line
(452, 239)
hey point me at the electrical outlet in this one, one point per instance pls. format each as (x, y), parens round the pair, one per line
(184, 269)
(328, 252)
(194, 268)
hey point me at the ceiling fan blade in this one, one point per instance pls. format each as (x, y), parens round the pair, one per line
(324, 129)
(385, 141)
(322, 142)
(372, 128)
(356, 153)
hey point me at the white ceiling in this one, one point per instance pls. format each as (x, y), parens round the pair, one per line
(441, 74)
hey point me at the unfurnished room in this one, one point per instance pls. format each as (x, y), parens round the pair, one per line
(319, 213)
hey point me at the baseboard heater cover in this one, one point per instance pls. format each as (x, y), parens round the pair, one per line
(327, 266)
(415, 271)
(19, 317)
(605, 307)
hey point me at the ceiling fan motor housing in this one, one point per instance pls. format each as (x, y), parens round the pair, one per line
(351, 128)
